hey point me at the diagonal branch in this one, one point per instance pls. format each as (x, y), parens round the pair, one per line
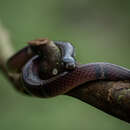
(6, 51)
(112, 97)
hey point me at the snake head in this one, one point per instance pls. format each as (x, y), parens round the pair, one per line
(68, 54)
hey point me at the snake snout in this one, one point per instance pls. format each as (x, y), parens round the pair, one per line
(69, 63)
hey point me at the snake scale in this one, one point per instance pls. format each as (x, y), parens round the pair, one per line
(73, 76)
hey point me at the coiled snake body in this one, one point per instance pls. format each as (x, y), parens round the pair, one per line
(68, 80)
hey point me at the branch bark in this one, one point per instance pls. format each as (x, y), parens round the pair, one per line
(112, 97)
(6, 50)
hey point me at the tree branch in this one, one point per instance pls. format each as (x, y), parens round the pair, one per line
(112, 97)
(6, 51)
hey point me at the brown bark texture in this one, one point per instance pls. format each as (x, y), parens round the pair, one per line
(112, 97)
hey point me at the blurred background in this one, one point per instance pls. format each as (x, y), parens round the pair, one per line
(99, 30)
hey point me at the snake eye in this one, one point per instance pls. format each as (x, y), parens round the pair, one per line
(54, 71)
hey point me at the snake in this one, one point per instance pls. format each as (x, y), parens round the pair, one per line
(74, 75)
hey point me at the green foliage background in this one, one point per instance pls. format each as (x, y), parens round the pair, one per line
(98, 29)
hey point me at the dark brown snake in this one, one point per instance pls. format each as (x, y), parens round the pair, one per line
(68, 80)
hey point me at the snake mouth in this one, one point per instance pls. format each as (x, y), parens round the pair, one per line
(31, 79)
(30, 72)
